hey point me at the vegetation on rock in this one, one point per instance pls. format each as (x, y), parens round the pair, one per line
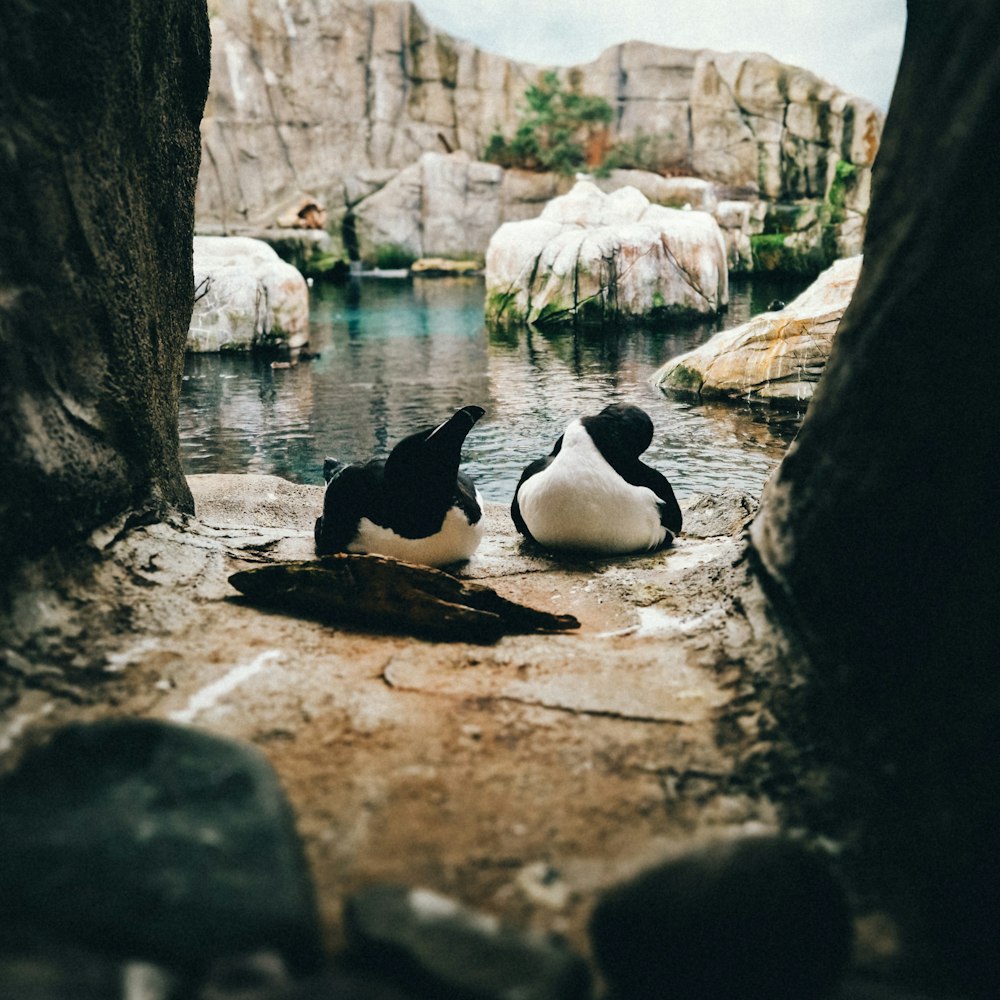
(556, 128)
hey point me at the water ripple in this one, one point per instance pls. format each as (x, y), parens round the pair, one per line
(398, 356)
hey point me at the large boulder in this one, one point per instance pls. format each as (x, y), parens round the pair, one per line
(248, 298)
(96, 215)
(149, 839)
(777, 356)
(605, 258)
(879, 530)
(441, 206)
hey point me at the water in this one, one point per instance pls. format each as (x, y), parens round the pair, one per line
(396, 356)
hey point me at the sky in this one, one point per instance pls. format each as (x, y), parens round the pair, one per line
(853, 44)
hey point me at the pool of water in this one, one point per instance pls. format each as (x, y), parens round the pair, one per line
(395, 356)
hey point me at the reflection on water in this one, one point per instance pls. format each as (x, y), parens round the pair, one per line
(397, 356)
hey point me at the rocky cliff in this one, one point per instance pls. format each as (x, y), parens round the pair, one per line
(334, 97)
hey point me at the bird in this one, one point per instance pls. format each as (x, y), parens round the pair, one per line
(415, 505)
(593, 494)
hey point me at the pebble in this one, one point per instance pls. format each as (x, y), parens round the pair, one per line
(437, 948)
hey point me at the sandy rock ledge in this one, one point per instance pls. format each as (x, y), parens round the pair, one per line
(521, 777)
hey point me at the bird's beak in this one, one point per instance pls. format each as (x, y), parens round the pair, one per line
(458, 425)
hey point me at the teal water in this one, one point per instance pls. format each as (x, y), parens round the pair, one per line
(399, 355)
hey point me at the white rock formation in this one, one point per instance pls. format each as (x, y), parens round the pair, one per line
(776, 356)
(594, 257)
(247, 297)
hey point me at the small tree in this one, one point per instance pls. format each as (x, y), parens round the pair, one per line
(554, 128)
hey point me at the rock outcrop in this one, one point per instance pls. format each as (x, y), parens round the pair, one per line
(247, 298)
(596, 257)
(880, 531)
(96, 215)
(334, 98)
(776, 356)
(441, 206)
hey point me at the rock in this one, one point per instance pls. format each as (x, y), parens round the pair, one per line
(441, 206)
(437, 948)
(775, 356)
(674, 192)
(727, 512)
(597, 257)
(746, 919)
(154, 840)
(442, 266)
(316, 96)
(96, 213)
(247, 297)
(739, 222)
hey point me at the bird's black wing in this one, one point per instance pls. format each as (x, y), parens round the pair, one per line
(353, 492)
(670, 512)
(465, 498)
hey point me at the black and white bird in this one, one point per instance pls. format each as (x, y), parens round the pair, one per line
(415, 505)
(593, 494)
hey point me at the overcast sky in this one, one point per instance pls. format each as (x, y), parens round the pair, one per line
(854, 44)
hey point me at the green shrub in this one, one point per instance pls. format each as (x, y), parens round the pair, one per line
(554, 127)
(389, 256)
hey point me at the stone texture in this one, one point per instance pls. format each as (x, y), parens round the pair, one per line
(776, 357)
(880, 528)
(154, 840)
(436, 947)
(674, 192)
(755, 917)
(441, 206)
(595, 257)
(479, 772)
(321, 97)
(247, 297)
(96, 214)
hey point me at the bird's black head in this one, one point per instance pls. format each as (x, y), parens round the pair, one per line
(620, 429)
(428, 460)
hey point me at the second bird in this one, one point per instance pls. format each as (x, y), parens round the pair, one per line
(593, 494)
(414, 505)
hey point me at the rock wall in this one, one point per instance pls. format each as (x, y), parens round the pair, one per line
(335, 97)
(880, 530)
(96, 215)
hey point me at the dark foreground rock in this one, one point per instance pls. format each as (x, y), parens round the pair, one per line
(148, 839)
(440, 949)
(761, 917)
(96, 217)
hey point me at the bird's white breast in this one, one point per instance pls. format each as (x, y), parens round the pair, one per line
(455, 542)
(580, 502)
